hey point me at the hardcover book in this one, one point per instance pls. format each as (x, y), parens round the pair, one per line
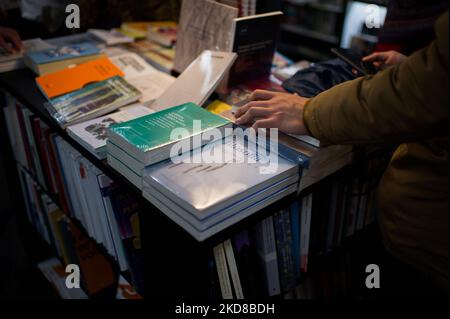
(255, 39)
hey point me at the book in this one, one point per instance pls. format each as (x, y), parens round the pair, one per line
(283, 238)
(92, 134)
(237, 211)
(138, 30)
(71, 79)
(254, 40)
(56, 275)
(13, 61)
(214, 195)
(247, 264)
(92, 101)
(214, 184)
(148, 138)
(97, 273)
(55, 59)
(305, 228)
(151, 82)
(203, 25)
(159, 60)
(222, 271)
(264, 238)
(126, 291)
(165, 35)
(232, 266)
(110, 37)
(197, 82)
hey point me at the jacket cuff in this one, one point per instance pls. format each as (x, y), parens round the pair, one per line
(311, 121)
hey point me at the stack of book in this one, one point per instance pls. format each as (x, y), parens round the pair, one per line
(86, 91)
(153, 40)
(55, 59)
(64, 193)
(138, 143)
(164, 34)
(13, 61)
(208, 193)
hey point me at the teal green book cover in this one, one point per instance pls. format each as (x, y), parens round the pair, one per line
(154, 130)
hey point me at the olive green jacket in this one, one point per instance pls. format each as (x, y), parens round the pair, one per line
(406, 104)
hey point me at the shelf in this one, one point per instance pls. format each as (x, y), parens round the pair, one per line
(334, 8)
(327, 7)
(21, 84)
(305, 32)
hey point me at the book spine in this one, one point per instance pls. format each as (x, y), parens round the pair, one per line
(24, 138)
(233, 269)
(41, 153)
(267, 251)
(222, 271)
(295, 230)
(305, 230)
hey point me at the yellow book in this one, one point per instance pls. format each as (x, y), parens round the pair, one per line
(218, 107)
(138, 30)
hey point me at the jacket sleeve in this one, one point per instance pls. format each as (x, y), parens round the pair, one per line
(400, 104)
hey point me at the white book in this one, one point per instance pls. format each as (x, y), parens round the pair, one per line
(266, 248)
(92, 134)
(198, 81)
(229, 253)
(241, 207)
(132, 65)
(151, 82)
(105, 182)
(161, 202)
(211, 186)
(222, 271)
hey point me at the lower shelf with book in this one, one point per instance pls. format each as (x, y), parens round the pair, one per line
(273, 257)
(108, 229)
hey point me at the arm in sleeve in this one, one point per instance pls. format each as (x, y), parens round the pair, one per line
(400, 104)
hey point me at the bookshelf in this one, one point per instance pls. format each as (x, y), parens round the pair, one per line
(175, 264)
(312, 27)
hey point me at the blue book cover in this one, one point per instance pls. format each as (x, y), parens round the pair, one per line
(62, 53)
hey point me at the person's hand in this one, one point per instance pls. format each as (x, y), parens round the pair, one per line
(385, 59)
(10, 40)
(268, 109)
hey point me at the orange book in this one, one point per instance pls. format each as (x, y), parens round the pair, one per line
(75, 78)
